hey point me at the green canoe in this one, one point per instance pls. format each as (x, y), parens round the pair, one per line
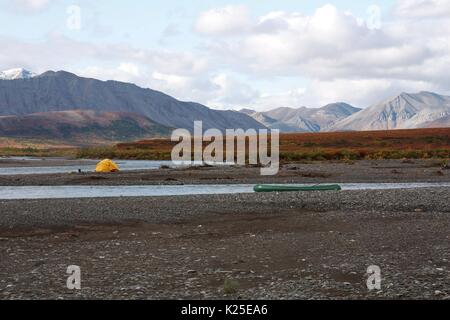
(292, 188)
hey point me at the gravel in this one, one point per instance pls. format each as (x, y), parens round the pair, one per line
(272, 246)
(68, 212)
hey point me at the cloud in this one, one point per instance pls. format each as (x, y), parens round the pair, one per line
(130, 68)
(292, 98)
(219, 91)
(341, 56)
(230, 92)
(172, 30)
(175, 62)
(355, 91)
(291, 43)
(31, 5)
(125, 72)
(422, 8)
(345, 57)
(223, 21)
(57, 52)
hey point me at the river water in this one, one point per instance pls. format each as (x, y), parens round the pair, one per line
(66, 192)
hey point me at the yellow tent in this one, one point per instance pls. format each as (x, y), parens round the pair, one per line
(106, 166)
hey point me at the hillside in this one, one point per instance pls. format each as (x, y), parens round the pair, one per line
(82, 127)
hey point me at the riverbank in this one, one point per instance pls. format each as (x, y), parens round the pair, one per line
(300, 172)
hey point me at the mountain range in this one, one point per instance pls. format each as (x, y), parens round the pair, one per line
(62, 105)
(304, 119)
(405, 111)
(64, 91)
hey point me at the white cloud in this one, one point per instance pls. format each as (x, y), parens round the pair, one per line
(422, 8)
(226, 20)
(185, 63)
(172, 82)
(300, 42)
(231, 93)
(292, 98)
(219, 91)
(187, 88)
(58, 52)
(32, 5)
(356, 92)
(125, 72)
(129, 68)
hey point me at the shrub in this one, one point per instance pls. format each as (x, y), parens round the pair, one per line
(230, 286)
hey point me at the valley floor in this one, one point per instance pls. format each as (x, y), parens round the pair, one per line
(252, 246)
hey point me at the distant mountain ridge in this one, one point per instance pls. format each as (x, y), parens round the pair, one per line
(62, 91)
(303, 119)
(405, 111)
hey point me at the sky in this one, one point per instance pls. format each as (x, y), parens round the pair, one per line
(258, 54)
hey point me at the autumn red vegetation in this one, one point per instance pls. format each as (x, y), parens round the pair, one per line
(393, 144)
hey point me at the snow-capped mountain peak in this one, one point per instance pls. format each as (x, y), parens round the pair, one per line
(17, 73)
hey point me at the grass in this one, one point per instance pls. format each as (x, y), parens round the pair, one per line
(114, 152)
(230, 286)
(342, 146)
(37, 152)
(34, 148)
(345, 146)
(351, 155)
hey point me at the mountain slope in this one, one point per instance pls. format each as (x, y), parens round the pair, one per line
(270, 122)
(404, 111)
(60, 91)
(439, 123)
(303, 119)
(82, 126)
